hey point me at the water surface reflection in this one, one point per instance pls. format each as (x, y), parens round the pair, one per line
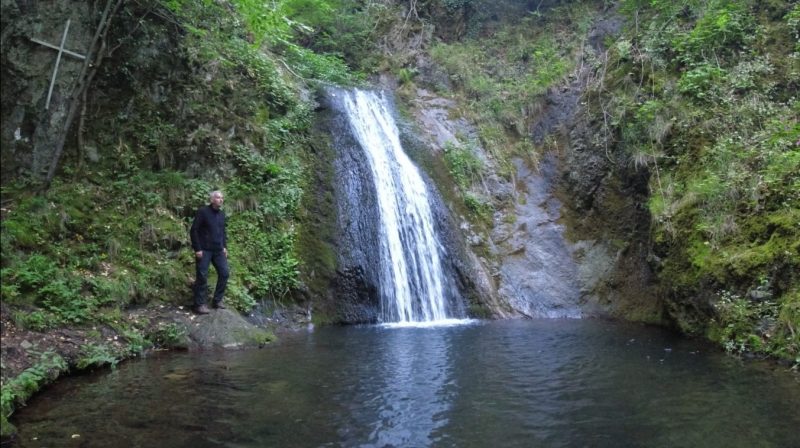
(549, 383)
(403, 395)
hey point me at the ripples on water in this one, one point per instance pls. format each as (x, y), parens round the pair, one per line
(548, 383)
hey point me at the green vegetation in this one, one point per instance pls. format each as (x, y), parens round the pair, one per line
(464, 165)
(703, 94)
(501, 80)
(114, 233)
(746, 326)
(197, 96)
(96, 355)
(202, 95)
(18, 390)
(467, 169)
(169, 335)
(193, 96)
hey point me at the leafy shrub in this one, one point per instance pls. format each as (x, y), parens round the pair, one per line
(623, 47)
(721, 28)
(742, 325)
(19, 389)
(238, 297)
(737, 318)
(265, 262)
(96, 355)
(751, 74)
(136, 343)
(464, 165)
(481, 207)
(406, 75)
(63, 297)
(169, 335)
(32, 273)
(700, 81)
(37, 320)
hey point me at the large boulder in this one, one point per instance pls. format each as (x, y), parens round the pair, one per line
(224, 329)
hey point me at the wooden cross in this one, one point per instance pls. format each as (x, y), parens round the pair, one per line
(61, 51)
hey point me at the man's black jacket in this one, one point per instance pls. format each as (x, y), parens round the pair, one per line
(208, 229)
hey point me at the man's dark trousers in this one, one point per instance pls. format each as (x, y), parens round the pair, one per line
(220, 262)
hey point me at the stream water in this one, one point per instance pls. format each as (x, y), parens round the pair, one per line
(548, 383)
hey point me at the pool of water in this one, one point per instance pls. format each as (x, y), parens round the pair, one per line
(548, 383)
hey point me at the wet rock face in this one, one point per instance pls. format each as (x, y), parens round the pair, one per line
(356, 296)
(351, 294)
(459, 265)
(588, 168)
(610, 25)
(608, 225)
(433, 114)
(596, 242)
(532, 268)
(537, 272)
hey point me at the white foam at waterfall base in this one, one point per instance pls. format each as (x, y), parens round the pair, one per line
(431, 324)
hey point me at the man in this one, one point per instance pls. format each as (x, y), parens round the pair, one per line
(209, 242)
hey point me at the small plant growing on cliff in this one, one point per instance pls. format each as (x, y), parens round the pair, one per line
(479, 206)
(406, 75)
(239, 298)
(464, 166)
(743, 325)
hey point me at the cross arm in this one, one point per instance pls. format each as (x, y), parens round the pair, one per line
(54, 47)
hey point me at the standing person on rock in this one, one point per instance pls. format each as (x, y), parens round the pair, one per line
(209, 241)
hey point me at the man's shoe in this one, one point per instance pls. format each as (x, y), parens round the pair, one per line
(219, 306)
(202, 309)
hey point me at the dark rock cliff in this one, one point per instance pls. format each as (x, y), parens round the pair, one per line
(30, 126)
(353, 287)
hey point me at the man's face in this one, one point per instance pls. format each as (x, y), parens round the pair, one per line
(216, 200)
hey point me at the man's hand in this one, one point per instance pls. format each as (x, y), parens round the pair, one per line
(225, 252)
(198, 254)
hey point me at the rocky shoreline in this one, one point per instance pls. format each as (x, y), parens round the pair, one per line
(31, 360)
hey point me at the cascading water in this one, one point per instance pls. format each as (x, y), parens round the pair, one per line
(413, 286)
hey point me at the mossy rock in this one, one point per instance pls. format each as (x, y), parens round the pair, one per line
(225, 329)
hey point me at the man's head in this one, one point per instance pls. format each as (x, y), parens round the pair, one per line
(216, 198)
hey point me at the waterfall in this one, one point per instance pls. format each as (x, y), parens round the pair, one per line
(413, 286)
